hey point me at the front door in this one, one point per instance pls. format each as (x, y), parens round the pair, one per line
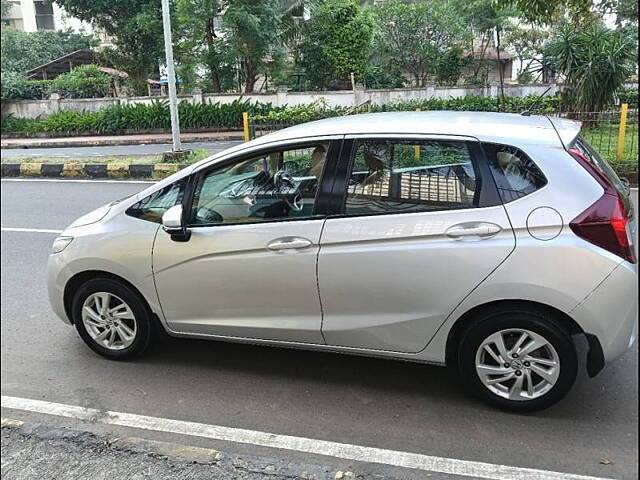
(421, 225)
(249, 267)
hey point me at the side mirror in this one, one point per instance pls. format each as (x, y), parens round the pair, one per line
(173, 225)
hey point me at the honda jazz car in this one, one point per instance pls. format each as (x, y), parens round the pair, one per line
(498, 243)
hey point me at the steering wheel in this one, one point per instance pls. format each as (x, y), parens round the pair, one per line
(208, 215)
(283, 179)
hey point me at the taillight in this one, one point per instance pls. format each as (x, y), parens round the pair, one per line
(605, 222)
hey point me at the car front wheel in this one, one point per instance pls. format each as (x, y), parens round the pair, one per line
(111, 318)
(518, 360)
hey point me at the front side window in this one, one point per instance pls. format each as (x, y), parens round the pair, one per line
(404, 176)
(514, 172)
(152, 207)
(278, 185)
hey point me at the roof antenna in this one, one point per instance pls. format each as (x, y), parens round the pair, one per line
(527, 112)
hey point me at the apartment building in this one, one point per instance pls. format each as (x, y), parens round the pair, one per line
(33, 15)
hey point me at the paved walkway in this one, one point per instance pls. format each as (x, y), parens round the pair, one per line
(138, 139)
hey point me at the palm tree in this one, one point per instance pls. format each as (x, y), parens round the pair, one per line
(594, 60)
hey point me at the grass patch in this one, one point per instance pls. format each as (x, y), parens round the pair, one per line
(605, 139)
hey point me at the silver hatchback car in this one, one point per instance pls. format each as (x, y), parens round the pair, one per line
(495, 242)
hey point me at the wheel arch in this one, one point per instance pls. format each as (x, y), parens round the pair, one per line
(468, 318)
(81, 278)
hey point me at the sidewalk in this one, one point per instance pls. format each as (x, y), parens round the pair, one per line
(109, 140)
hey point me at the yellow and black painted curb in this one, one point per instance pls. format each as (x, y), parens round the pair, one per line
(153, 171)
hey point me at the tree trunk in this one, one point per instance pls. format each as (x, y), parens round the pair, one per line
(215, 78)
(215, 82)
(250, 76)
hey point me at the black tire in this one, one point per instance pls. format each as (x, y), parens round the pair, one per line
(530, 318)
(142, 315)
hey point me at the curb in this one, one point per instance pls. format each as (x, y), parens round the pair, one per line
(115, 142)
(229, 463)
(185, 453)
(90, 170)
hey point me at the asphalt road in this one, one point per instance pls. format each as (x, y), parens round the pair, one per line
(110, 151)
(362, 401)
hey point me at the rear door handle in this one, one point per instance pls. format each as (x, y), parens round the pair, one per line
(473, 230)
(289, 243)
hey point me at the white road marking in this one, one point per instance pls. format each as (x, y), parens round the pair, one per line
(32, 230)
(71, 180)
(345, 451)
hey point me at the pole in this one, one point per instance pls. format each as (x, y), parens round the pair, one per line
(622, 130)
(245, 126)
(171, 77)
(416, 148)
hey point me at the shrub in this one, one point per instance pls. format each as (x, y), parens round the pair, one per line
(16, 86)
(628, 95)
(151, 116)
(155, 115)
(9, 124)
(82, 82)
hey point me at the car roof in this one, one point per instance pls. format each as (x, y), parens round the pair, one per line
(507, 128)
(510, 128)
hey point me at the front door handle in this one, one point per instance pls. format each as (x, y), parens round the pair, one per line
(289, 243)
(473, 231)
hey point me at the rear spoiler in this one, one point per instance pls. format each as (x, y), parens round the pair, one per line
(567, 130)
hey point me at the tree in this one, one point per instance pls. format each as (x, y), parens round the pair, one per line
(336, 42)
(547, 11)
(5, 6)
(22, 51)
(252, 29)
(486, 20)
(136, 28)
(527, 43)
(417, 37)
(199, 40)
(595, 62)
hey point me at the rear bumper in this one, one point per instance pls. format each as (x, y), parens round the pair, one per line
(610, 314)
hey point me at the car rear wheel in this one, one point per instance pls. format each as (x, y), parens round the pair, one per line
(111, 318)
(518, 359)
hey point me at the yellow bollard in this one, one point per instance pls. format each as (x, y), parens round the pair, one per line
(245, 126)
(416, 149)
(622, 131)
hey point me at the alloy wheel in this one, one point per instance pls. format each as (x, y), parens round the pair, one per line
(109, 320)
(517, 364)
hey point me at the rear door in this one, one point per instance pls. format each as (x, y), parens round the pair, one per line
(417, 225)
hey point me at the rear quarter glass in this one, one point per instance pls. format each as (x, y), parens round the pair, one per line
(603, 167)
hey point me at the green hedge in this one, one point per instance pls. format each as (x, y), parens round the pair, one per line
(151, 116)
(18, 87)
(317, 110)
(629, 95)
(228, 116)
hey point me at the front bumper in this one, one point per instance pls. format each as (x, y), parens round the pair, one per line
(610, 312)
(57, 277)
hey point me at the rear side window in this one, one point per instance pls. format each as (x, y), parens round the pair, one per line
(514, 172)
(152, 208)
(404, 176)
